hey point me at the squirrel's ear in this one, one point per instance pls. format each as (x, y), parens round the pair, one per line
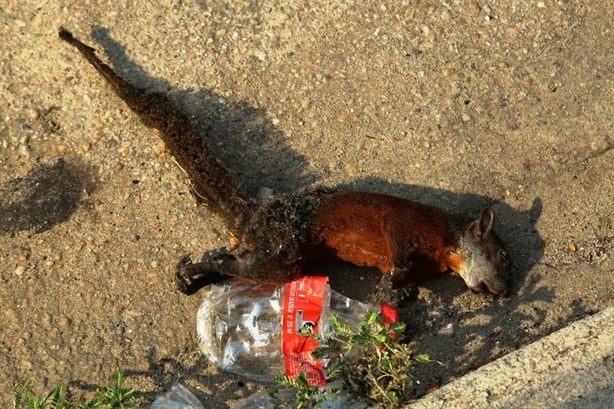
(487, 219)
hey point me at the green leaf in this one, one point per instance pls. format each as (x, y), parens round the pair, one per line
(422, 358)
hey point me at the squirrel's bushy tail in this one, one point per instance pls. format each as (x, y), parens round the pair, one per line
(212, 184)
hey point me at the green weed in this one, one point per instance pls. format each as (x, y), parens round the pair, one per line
(111, 397)
(372, 363)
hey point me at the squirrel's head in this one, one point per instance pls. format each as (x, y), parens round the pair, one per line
(486, 265)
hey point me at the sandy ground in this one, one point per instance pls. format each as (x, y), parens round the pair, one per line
(458, 104)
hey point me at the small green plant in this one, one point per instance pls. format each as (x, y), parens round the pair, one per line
(303, 395)
(372, 363)
(111, 397)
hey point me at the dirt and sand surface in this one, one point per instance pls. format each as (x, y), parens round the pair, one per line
(454, 103)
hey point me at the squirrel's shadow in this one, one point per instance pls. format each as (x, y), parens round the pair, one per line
(256, 154)
(251, 147)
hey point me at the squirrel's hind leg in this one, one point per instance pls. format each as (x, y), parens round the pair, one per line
(223, 264)
(192, 277)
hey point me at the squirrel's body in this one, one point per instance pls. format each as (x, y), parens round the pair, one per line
(276, 238)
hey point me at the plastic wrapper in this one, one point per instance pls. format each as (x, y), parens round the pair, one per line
(262, 400)
(178, 397)
(240, 326)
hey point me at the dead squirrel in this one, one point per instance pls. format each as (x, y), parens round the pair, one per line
(276, 238)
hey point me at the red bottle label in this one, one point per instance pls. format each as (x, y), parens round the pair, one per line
(301, 314)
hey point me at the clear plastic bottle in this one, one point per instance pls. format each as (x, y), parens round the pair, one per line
(240, 325)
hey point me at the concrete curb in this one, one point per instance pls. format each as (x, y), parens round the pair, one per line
(571, 368)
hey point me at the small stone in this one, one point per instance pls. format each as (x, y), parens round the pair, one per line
(87, 147)
(466, 117)
(26, 365)
(351, 168)
(265, 192)
(10, 316)
(64, 322)
(20, 23)
(541, 4)
(24, 150)
(80, 244)
(31, 114)
(261, 55)
(20, 270)
(572, 247)
(448, 72)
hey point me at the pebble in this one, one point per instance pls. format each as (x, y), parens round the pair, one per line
(466, 117)
(31, 114)
(26, 365)
(261, 55)
(80, 244)
(10, 316)
(61, 148)
(20, 270)
(351, 168)
(20, 23)
(24, 150)
(265, 192)
(64, 322)
(46, 320)
(448, 72)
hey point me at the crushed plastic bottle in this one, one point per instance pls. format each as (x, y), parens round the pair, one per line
(240, 325)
